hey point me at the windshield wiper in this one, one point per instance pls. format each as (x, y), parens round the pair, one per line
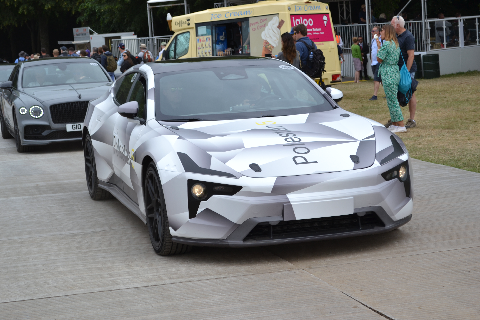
(183, 120)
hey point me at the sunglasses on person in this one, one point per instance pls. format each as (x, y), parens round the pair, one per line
(124, 55)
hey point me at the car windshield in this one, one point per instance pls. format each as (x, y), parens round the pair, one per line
(5, 73)
(236, 93)
(63, 73)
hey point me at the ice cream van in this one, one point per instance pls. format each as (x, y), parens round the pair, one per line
(253, 30)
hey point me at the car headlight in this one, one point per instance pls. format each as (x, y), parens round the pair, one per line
(23, 110)
(400, 172)
(36, 112)
(199, 191)
(403, 173)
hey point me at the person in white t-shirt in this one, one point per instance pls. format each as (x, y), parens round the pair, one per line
(373, 57)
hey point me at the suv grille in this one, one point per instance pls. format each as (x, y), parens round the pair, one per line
(318, 226)
(69, 112)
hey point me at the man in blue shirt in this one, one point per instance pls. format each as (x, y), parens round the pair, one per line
(406, 42)
(299, 34)
(21, 57)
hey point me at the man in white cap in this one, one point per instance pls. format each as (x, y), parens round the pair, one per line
(144, 54)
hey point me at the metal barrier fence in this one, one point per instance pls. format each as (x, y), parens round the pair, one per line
(453, 32)
(347, 32)
(133, 45)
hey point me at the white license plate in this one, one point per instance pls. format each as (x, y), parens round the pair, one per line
(74, 127)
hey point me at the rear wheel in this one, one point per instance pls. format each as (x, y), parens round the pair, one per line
(18, 141)
(157, 219)
(5, 133)
(96, 193)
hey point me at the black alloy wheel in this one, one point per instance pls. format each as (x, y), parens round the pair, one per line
(5, 133)
(18, 141)
(96, 193)
(157, 219)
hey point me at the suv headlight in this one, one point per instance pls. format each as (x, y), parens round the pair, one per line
(36, 112)
(23, 110)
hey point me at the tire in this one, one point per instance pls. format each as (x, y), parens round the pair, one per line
(157, 219)
(96, 193)
(5, 133)
(18, 141)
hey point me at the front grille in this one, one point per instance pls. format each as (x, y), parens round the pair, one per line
(37, 133)
(312, 227)
(69, 112)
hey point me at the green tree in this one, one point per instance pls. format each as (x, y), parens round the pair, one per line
(35, 14)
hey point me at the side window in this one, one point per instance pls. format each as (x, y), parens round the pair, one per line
(14, 76)
(170, 51)
(179, 46)
(139, 94)
(121, 94)
(182, 45)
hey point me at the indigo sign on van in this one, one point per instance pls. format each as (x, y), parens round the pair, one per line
(231, 14)
(319, 27)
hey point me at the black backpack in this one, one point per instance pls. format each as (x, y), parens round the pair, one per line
(315, 62)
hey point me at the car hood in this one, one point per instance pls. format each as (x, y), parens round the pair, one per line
(68, 92)
(281, 146)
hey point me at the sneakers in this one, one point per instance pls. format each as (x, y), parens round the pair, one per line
(388, 124)
(410, 124)
(397, 129)
(373, 98)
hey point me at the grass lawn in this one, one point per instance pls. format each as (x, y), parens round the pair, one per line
(448, 117)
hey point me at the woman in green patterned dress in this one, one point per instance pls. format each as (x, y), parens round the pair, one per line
(388, 56)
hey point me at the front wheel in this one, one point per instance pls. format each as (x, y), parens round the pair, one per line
(18, 140)
(96, 193)
(5, 133)
(157, 219)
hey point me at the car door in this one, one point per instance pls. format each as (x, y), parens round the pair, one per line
(125, 129)
(10, 96)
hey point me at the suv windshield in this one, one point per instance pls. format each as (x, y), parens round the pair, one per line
(235, 93)
(63, 73)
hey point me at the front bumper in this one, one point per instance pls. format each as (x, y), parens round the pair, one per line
(303, 208)
(241, 236)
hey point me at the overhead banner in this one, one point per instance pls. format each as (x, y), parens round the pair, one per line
(81, 34)
(318, 26)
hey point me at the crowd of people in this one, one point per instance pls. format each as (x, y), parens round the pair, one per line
(102, 54)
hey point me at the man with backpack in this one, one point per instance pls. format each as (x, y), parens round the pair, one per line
(144, 55)
(313, 60)
(95, 55)
(108, 62)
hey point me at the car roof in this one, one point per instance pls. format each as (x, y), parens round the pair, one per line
(46, 61)
(210, 62)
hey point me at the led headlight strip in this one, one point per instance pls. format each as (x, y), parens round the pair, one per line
(36, 112)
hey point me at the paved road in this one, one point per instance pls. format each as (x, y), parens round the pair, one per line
(66, 256)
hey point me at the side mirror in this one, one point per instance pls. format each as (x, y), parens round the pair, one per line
(128, 110)
(6, 85)
(336, 94)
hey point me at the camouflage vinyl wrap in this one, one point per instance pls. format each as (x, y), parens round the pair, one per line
(311, 166)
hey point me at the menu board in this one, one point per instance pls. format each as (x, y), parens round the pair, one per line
(204, 46)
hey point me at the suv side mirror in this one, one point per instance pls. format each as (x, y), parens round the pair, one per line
(128, 110)
(6, 85)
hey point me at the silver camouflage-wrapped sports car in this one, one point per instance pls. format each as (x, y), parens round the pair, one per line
(45, 101)
(241, 152)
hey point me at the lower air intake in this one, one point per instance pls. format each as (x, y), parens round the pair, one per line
(312, 227)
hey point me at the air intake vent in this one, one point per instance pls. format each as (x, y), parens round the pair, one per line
(255, 167)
